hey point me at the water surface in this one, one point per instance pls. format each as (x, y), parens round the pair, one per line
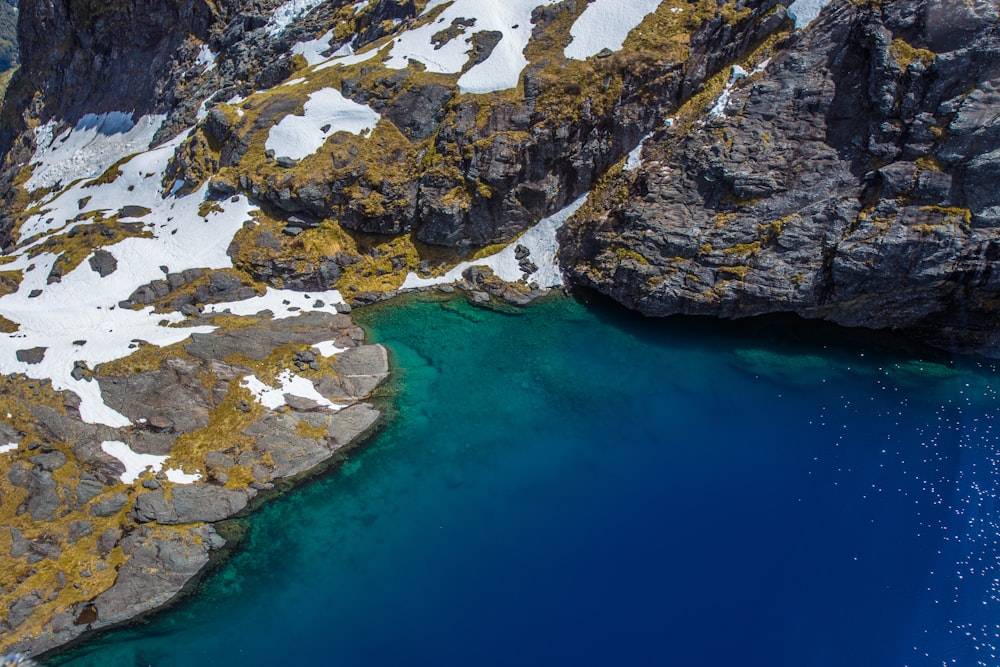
(576, 485)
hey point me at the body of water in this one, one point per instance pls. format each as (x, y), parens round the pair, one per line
(576, 485)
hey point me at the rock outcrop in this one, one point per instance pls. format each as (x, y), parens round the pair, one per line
(851, 178)
(88, 551)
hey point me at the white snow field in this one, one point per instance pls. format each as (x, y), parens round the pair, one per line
(87, 150)
(290, 384)
(805, 12)
(313, 49)
(605, 24)
(78, 318)
(540, 240)
(512, 18)
(299, 137)
(136, 464)
(282, 304)
(327, 349)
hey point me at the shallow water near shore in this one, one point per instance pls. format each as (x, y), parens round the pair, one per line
(577, 485)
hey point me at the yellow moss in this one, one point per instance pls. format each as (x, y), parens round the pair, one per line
(929, 163)
(772, 230)
(739, 271)
(627, 254)
(951, 214)
(110, 174)
(743, 249)
(904, 54)
(307, 430)
(209, 206)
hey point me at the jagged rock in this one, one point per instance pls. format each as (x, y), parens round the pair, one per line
(840, 184)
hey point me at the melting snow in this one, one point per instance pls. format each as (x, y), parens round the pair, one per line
(735, 75)
(298, 137)
(181, 477)
(313, 50)
(87, 150)
(83, 307)
(4, 449)
(805, 11)
(291, 385)
(345, 56)
(206, 58)
(282, 304)
(329, 348)
(136, 464)
(540, 240)
(605, 24)
(634, 160)
(282, 16)
(512, 18)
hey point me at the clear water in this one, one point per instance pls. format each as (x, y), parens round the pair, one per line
(575, 485)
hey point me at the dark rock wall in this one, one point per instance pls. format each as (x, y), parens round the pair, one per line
(854, 179)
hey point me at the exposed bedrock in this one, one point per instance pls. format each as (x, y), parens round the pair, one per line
(854, 180)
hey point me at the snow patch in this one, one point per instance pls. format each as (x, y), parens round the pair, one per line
(735, 75)
(87, 150)
(511, 18)
(282, 304)
(345, 56)
(329, 348)
(5, 449)
(299, 137)
(605, 24)
(634, 160)
(135, 464)
(83, 307)
(540, 240)
(181, 477)
(313, 50)
(290, 385)
(206, 59)
(804, 12)
(284, 14)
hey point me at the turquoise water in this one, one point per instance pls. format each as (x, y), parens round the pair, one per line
(575, 485)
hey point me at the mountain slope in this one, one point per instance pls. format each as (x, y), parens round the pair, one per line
(196, 193)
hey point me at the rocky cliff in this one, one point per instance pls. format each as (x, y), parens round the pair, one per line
(195, 194)
(851, 178)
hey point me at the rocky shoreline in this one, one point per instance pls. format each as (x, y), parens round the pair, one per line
(163, 532)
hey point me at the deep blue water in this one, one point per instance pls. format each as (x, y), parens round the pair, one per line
(575, 485)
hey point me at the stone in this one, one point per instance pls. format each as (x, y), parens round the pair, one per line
(103, 263)
(32, 356)
(109, 506)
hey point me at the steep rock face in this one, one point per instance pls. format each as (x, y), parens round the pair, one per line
(475, 169)
(852, 179)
